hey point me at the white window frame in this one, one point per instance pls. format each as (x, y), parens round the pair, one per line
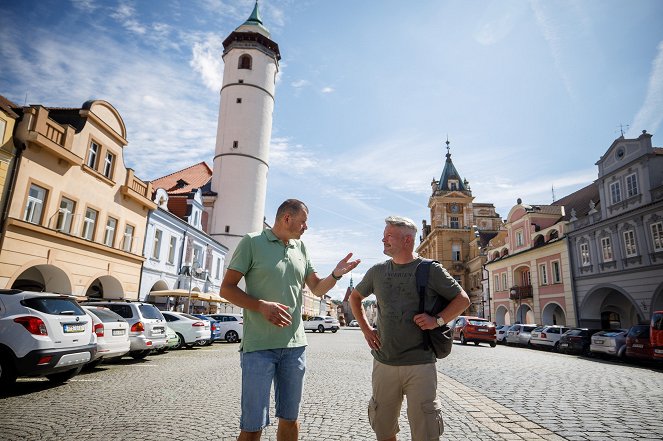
(34, 206)
(630, 247)
(109, 162)
(89, 223)
(65, 215)
(109, 235)
(218, 268)
(585, 258)
(93, 152)
(497, 282)
(556, 270)
(615, 192)
(455, 252)
(657, 235)
(128, 238)
(520, 238)
(454, 222)
(606, 249)
(156, 244)
(504, 282)
(543, 273)
(171, 249)
(631, 185)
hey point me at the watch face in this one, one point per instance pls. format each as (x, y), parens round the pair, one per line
(454, 208)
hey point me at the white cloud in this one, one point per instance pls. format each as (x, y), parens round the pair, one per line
(650, 115)
(294, 157)
(327, 90)
(84, 5)
(298, 84)
(206, 60)
(125, 15)
(498, 21)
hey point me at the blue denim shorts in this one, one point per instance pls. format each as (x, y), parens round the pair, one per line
(286, 368)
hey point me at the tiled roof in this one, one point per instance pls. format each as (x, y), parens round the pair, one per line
(7, 106)
(579, 201)
(184, 181)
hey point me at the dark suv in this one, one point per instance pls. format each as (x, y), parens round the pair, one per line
(576, 341)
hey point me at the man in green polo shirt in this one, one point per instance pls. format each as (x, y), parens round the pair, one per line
(275, 265)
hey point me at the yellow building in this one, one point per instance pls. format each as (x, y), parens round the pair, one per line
(76, 218)
(7, 148)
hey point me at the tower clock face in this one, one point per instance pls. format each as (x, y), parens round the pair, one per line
(455, 208)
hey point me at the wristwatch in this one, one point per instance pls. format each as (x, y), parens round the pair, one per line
(440, 322)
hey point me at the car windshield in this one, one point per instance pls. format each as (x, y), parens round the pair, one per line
(657, 321)
(611, 333)
(106, 315)
(477, 322)
(529, 328)
(189, 316)
(639, 332)
(150, 312)
(54, 305)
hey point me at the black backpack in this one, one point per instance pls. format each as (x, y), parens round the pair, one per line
(440, 339)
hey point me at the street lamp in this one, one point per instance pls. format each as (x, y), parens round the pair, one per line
(195, 268)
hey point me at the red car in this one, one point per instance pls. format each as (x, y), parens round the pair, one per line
(474, 329)
(656, 330)
(638, 343)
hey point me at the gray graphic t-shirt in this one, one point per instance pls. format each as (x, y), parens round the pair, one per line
(395, 288)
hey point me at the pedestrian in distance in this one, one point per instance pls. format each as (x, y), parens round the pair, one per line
(275, 266)
(403, 364)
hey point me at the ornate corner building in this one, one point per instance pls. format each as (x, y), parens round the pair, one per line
(458, 233)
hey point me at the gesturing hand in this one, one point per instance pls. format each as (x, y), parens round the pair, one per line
(345, 266)
(276, 313)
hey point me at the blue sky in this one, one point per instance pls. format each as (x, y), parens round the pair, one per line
(530, 94)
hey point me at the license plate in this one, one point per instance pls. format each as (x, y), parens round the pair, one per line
(68, 329)
(118, 331)
(598, 342)
(563, 345)
(483, 330)
(658, 351)
(638, 346)
(158, 330)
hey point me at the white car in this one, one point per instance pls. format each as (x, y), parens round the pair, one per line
(232, 326)
(189, 329)
(354, 324)
(112, 333)
(500, 333)
(322, 324)
(548, 337)
(42, 334)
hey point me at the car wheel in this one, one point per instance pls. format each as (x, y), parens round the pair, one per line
(202, 342)
(493, 344)
(232, 337)
(63, 377)
(334, 331)
(139, 355)
(180, 342)
(622, 352)
(462, 339)
(556, 347)
(7, 373)
(321, 328)
(209, 342)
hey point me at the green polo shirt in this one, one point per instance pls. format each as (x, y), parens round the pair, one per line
(274, 272)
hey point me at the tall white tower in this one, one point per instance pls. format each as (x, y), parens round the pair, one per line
(241, 159)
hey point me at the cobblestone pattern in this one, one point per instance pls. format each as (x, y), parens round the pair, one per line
(489, 394)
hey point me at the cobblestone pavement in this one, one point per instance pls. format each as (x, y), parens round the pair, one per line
(488, 394)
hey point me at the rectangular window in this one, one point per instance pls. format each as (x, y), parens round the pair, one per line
(519, 239)
(198, 255)
(89, 224)
(65, 215)
(543, 274)
(556, 272)
(504, 284)
(171, 249)
(606, 249)
(631, 185)
(454, 222)
(128, 238)
(218, 268)
(109, 161)
(657, 235)
(109, 236)
(92, 153)
(497, 283)
(3, 126)
(156, 246)
(629, 243)
(455, 253)
(585, 259)
(615, 193)
(35, 205)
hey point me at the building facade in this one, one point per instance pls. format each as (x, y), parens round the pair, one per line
(617, 245)
(7, 149)
(76, 215)
(455, 224)
(241, 160)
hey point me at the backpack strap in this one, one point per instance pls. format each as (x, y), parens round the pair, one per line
(421, 276)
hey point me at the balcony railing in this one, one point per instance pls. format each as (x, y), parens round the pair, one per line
(520, 292)
(138, 190)
(52, 136)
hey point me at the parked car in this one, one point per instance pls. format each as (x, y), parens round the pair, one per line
(215, 329)
(321, 324)
(354, 324)
(147, 327)
(576, 341)
(638, 343)
(112, 332)
(172, 340)
(519, 334)
(42, 334)
(231, 326)
(610, 342)
(474, 329)
(500, 333)
(189, 328)
(656, 334)
(547, 337)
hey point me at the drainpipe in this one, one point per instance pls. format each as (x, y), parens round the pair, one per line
(9, 193)
(573, 282)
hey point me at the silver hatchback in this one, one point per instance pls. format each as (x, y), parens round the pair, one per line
(609, 342)
(147, 327)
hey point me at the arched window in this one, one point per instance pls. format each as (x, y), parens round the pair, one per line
(245, 62)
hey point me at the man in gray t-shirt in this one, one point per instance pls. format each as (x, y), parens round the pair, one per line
(403, 365)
